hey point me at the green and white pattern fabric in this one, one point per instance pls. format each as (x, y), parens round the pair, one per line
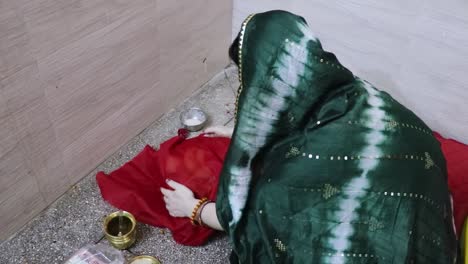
(323, 167)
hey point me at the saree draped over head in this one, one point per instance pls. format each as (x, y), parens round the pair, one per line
(323, 167)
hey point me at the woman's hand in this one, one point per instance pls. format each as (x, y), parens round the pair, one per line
(180, 201)
(218, 131)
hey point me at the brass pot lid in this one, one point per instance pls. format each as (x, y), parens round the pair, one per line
(144, 260)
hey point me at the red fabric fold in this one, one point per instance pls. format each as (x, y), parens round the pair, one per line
(456, 155)
(135, 187)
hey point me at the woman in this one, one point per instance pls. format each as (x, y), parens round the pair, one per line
(322, 166)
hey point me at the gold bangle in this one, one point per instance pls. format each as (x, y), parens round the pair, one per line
(195, 210)
(198, 216)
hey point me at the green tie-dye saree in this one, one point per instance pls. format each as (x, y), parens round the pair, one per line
(323, 167)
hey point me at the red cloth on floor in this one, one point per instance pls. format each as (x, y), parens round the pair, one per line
(197, 163)
(456, 155)
(135, 187)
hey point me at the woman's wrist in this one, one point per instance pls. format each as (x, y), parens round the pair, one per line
(190, 206)
(198, 215)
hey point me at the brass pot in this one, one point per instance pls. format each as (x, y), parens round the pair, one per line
(120, 229)
(144, 260)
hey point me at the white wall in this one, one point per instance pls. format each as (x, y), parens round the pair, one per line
(415, 50)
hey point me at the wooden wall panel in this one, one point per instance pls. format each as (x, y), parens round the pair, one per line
(417, 51)
(21, 201)
(14, 40)
(80, 78)
(89, 81)
(20, 198)
(55, 24)
(28, 108)
(193, 43)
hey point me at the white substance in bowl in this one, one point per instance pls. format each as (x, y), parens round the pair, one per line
(192, 122)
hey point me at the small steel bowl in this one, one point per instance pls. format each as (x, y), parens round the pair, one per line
(193, 119)
(120, 229)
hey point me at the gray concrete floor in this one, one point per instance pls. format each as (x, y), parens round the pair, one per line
(75, 219)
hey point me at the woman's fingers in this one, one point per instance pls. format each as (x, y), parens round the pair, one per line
(210, 130)
(218, 131)
(213, 131)
(176, 186)
(180, 201)
(166, 192)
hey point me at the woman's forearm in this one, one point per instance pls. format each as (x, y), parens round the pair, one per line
(210, 218)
